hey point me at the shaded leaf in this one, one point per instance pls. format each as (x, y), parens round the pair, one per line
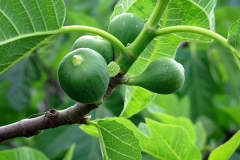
(23, 153)
(199, 84)
(20, 77)
(201, 136)
(226, 150)
(69, 154)
(233, 112)
(17, 39)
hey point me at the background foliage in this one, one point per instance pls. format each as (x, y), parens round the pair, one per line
(209, 100)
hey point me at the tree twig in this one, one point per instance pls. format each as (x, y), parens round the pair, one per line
(53, 118)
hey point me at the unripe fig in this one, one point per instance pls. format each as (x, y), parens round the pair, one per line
(83, 75)
(163, 76)
(95, 43)
(126, 27)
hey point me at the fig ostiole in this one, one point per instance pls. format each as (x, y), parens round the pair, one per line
(163, 76)
(83, 76)
(126, 27)
(97, 44)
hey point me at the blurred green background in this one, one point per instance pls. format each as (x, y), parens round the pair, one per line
(212, 86)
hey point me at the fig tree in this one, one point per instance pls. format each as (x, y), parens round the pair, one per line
(83, 75)
(163, 76)
(95, 43)
(126, 27)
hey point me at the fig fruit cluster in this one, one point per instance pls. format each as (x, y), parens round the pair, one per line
(83, 73)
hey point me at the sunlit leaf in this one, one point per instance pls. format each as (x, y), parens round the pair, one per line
(185, 123)
(117, 141)
(113, 69)
(165, 141)
(226, 150)
(171, 105)
(234, 35)
(89, 129)
(194, 13)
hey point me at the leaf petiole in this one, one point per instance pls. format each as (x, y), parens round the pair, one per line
(198, 30)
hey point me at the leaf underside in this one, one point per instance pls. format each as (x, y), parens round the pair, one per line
(24, 25)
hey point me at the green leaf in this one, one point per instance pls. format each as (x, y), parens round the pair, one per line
(136, 99)
(165, 45)
(20, 77)
(233, 112)
(199, 84)
(226, 150)
(89, 129)
(234, 35)
(200, 135)
(224, 71)
(69, 154)
(185, 123)
(117, 141)
(23, 153)
(113, 69)
(165, 141)
(171, 104)
(40, 19)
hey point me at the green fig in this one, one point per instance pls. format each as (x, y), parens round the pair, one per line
(83, 75)
(163, 76)
(95, 43)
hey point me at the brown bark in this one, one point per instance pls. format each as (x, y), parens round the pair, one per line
(53, 118)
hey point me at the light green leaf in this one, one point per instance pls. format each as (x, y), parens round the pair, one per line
(234, 35)
(117, 141)
(200, 135)
(89, 129)
(177, 13)
(23, 153)
(185, 123)
(113, 69)
(165, 141)
(69, 154)
(207, 124)
(225, 151)
(171, 105)
(136, 99)
(17, 38)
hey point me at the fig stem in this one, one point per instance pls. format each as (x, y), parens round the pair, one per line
(133, 50)
(103, 34)
(198, 30)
